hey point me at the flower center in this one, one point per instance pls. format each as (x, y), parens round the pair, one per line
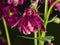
(10, 13)
(16, 1)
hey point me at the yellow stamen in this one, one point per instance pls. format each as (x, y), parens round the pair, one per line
(10, 13)
(16, 0)
(55, 9)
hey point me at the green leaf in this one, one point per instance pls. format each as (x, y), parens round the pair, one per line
(49, 38)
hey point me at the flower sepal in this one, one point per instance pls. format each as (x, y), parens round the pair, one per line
(49, 38)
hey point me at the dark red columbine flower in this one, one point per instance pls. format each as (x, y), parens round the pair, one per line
(50, 2)
(10, 14)
(29, 22)
(57, 6)
(16, 2)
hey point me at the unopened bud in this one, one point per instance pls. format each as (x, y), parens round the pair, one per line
(34, 4)
(57, 20)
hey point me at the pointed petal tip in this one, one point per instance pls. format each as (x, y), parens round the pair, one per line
(26, 33)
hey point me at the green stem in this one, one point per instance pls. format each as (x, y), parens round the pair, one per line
(48, 14)
(39, 35)
(46, 21)
(6, 30)
(46, 8)
(45, 12)
(35, 40)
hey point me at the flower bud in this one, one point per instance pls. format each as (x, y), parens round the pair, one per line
(57, 20)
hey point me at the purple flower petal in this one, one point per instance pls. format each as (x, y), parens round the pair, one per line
(21, 2)
(24, 30)
(10, 1)
(57, 6)
(15, 2)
